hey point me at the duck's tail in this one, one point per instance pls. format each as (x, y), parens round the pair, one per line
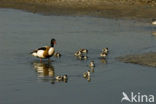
(34, 53)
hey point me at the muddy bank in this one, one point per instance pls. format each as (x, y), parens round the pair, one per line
(100, 8)
(148, 59)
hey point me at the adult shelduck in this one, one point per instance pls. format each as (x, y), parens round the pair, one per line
(45, 52)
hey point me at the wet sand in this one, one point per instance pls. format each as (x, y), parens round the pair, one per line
(100, 8)
(148, 59)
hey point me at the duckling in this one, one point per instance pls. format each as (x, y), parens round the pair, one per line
(105, 50)
(59, 78)
(85, 57)
(86, 74)
(84, 50)
(92, 64)
(78, 53)
(57, 54)
(65, 77)
(103, 55)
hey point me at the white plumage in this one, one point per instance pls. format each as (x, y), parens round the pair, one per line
(40, 53)
(45, 51)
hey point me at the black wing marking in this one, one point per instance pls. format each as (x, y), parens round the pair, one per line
(42, 48)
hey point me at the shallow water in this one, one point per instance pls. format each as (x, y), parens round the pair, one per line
(25, 80)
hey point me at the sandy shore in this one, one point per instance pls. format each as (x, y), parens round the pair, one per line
(147, 59)
(101, 8)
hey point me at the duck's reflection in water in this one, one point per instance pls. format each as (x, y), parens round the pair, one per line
(44, 69)
(45, 72)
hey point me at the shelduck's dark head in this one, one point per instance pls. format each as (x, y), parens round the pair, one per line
(53, 42)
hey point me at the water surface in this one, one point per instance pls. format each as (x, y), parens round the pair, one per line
(25, 80)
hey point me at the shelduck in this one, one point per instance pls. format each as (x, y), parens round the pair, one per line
(45, 51)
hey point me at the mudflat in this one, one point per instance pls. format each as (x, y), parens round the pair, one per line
(100, 8)
(148, 59)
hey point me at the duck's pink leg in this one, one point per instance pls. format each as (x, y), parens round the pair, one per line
(40, 60)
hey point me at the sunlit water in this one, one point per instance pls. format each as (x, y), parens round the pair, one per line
(24, 80)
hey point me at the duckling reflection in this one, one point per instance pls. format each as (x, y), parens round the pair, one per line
(44, 69)
(103, 60)
(92, 69)
(82, 57)
(88, 78)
